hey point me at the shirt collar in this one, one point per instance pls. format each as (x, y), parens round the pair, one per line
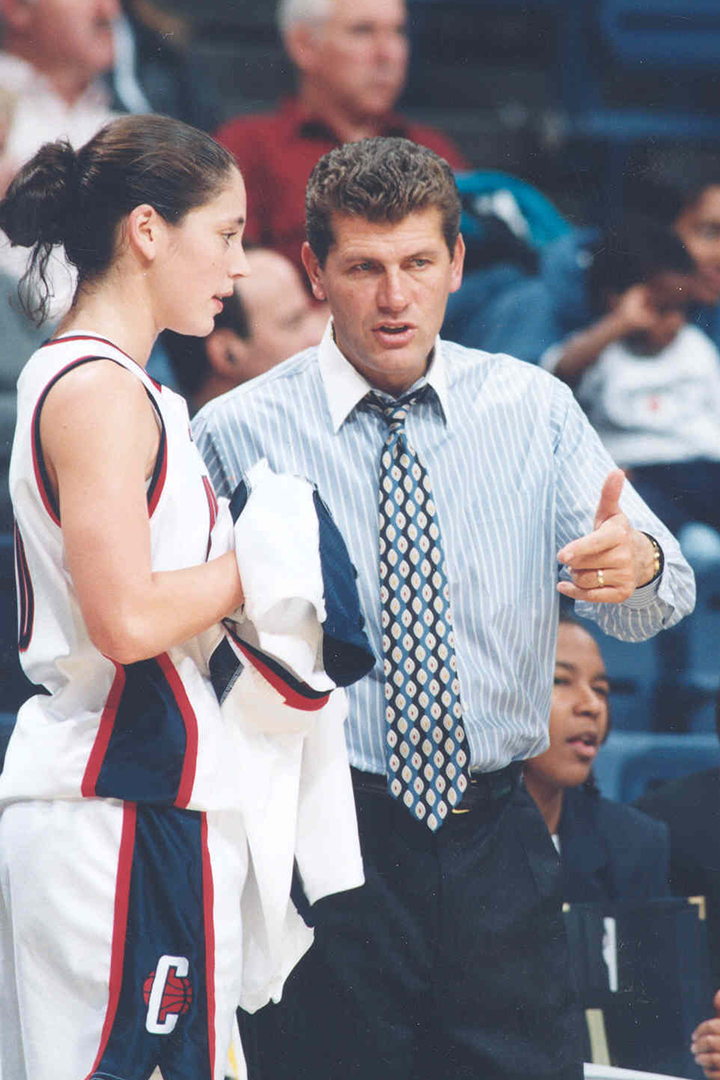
(345, 387)
(311, 124)
(26, 79)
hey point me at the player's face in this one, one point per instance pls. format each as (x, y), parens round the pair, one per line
(360, 54)
(387, 286)
(203, 260)
(698, 226)
(578, 713)
(77, 33)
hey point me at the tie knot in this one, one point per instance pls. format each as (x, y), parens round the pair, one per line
(394, 413)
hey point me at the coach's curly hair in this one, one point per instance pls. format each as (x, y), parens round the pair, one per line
(382, 180)
(76, 199)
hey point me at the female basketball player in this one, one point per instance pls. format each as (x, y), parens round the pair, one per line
(121, 859)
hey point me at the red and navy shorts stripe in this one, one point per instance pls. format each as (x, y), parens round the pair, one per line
(161, 1007)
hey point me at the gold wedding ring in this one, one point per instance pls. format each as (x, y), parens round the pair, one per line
(601, 580)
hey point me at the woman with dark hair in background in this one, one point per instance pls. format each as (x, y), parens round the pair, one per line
(121, 858)
(608, 851)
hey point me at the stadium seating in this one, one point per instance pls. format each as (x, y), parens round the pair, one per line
(633, 760)
(638, 71)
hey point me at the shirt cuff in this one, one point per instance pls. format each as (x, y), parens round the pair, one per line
(644, 595)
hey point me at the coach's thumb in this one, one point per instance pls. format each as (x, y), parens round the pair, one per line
(609, 504)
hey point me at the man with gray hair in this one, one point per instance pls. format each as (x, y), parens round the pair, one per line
(459, 480)
(351, 59)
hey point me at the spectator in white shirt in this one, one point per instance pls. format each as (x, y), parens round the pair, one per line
(648, 381)
(53, 54)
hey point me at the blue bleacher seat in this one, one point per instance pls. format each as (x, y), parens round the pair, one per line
(643, 42)
(632, 760)
(670, 683)
(690, 652)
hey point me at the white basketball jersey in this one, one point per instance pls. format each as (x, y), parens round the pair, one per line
(146, 732)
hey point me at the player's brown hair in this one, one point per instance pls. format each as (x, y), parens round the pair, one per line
(381, 179)
(78, 198)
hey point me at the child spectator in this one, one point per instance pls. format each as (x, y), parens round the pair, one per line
(649, 382)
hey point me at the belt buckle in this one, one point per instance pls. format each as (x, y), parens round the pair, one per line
(464, 809)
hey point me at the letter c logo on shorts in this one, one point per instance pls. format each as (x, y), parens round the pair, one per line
(167, 993)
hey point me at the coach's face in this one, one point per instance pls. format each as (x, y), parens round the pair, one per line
(387, 287)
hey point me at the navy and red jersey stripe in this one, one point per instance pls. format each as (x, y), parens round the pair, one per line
(42, 476)
(147, 707)
(25, 593)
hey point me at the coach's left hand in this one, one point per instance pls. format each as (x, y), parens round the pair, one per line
(608, 564)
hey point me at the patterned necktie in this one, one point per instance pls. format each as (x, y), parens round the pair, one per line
(425, 738)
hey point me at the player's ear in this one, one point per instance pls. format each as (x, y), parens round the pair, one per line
(145, 230)
(314, 271)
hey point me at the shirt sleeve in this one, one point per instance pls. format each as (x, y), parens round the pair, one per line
(221, 472)
(582, 464)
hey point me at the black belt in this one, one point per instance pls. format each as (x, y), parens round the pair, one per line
(484, 787)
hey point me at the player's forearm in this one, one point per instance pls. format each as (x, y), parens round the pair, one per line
(169, 608)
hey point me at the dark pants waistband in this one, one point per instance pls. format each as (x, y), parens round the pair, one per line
(484, 787)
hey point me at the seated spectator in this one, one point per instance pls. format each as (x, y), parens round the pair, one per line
(156, 68)
(608, 851)
(706, 1043)
(268, 318)
(649, 383)
(531, 315)
(690, 807)
(351, 61)
(52, 56)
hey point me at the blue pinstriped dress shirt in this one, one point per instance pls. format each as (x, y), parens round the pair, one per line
(516, 471)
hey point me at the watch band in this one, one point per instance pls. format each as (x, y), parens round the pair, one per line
(658, 558)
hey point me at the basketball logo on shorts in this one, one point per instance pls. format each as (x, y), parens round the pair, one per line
(167, 993)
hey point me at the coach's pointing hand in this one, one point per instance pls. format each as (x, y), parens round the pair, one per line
(608, 564)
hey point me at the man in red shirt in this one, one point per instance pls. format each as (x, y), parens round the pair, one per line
(351, 60)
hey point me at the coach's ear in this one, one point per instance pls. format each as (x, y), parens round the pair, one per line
(314, 271)
(456, 264)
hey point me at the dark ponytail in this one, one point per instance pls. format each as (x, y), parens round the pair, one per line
(77, 199)
(35, 213)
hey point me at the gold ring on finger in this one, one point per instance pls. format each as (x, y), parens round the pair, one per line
(601, 580)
